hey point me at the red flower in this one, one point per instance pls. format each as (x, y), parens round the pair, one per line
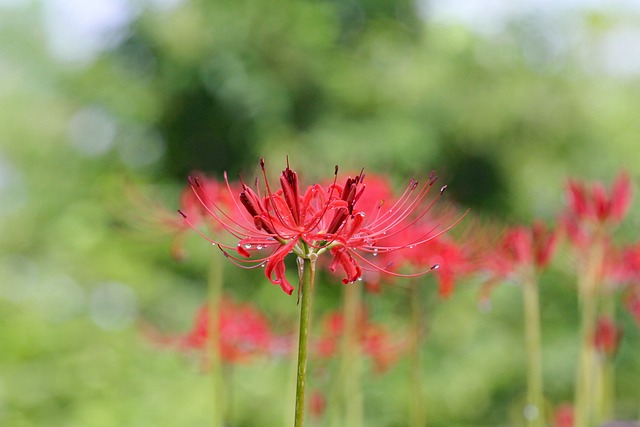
(594, 203)
(375, 341)
(314, 221)
(448, 260)
(243, 332)
(521, 247)
(607, 336)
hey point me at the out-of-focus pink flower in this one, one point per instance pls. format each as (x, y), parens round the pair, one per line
(530, 246)
(314, 221)
(448, 260)
(607, 336)
(592, 209)
(317, 403)
(563, 416)
(594, 203)
(375, 341)
(151, 217)
(244, 332)
(521, 247)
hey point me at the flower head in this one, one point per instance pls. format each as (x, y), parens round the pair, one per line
(522, 247)
(595, 203)
(591, 209)
(607, 336)
(269, 223)
(375, 341)
(243, 332)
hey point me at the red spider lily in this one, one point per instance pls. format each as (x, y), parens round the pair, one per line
(533, 246)
(592, 212)
(607, 336)
(320, 219)
(522, 246)
(375, 340)
(244, 332)
(594, 203)
(157, 218)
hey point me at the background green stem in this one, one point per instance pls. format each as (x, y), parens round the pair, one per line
(215, 285)
(534, 411)
(588, 292)
(306, 286)
(605, 397)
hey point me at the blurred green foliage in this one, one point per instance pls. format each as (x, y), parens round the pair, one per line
(213, 86)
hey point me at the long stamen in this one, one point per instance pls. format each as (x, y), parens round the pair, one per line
(242, 231)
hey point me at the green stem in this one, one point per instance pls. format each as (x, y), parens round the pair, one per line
(588, 290)
(215, 285)
(306, 286)
(417, 415)
(534, 410)
(606, 370)
(350, 373)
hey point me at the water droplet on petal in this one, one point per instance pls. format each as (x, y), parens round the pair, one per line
(259, 247)
(247, 246)
(435, 266)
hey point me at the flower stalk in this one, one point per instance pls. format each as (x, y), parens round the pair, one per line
(588, 297)
(534, 409)
(306, 287)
